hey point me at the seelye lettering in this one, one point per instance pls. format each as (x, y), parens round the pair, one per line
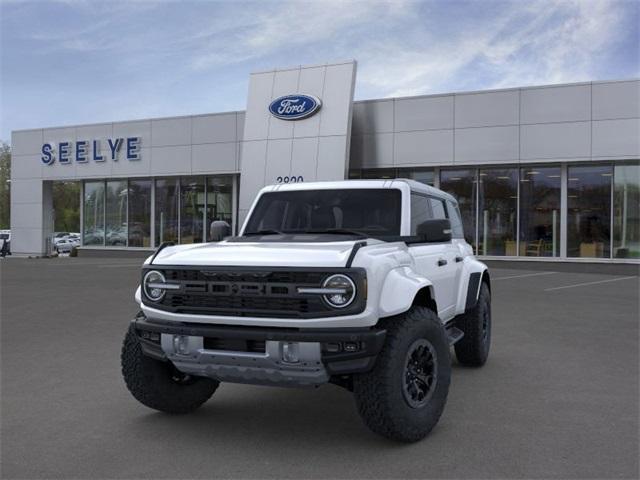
(82, 150)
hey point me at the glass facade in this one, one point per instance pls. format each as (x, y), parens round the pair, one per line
(462, 185)
(519, 211)
(93, 219)
(540, 211)
(219, 200)
(576, 210)
(626, 211)
(116, 213)
(423, 175)
(123, 212)
(192, 209)
(140, 213)
(498, 211)
(589, 210)
(167, 201)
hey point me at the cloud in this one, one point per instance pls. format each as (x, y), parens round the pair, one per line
(275, 27)
(545, 42)
(411, 48)
(146, 58)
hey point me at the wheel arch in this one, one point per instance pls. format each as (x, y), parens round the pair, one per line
(425, 297)
(486, 278)
(474, 274)
(403, 288)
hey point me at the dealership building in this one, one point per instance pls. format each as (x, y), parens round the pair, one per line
(540, 173)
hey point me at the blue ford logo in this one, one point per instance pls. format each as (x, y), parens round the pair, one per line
(294, 107)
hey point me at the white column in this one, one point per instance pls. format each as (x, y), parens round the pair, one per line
(554, 233)
(485, 230)
(563, 210)
(234, 205)
(152, 230)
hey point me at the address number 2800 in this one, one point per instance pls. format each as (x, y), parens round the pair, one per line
(291, 179)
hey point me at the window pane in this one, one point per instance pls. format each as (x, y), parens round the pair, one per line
(498, 197)
(589, 211)
(457, 230)
(191, 209)
(93, 214)
(540, 211)
(167, 210)
(419, 175)
(437, 207)
(420, 211)
(379, 173)
(462, 185)
(116, 213)
(372, 211)
(140, 213)
(219, 200)
(626, 211)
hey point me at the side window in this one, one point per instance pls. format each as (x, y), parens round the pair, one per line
(437, 206)
(457, 231)
(420, 211)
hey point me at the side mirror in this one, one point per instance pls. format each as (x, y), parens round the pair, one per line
(436, 231)
(219, 230)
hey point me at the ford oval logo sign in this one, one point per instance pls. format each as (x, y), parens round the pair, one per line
(294, 107)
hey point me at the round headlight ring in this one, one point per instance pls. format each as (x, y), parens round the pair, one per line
(340, 281)
(153, 294)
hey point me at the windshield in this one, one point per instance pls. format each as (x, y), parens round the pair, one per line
(365, 212)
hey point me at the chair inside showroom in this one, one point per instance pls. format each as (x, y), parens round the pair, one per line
(534, 249)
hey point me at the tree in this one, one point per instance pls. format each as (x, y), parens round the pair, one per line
(5, 185)
(66, 203)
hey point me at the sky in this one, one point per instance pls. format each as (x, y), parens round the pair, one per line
(81, 61)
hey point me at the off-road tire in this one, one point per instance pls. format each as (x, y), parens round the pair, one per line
(379, 394)
(152, 381)
(473, 349)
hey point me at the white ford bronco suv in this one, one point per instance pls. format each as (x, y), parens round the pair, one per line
(362, 283)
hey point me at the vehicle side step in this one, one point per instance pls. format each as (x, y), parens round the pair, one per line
(454, 335)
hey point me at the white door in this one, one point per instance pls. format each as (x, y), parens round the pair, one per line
(436, 261)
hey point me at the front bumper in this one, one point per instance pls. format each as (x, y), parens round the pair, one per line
(221, 351)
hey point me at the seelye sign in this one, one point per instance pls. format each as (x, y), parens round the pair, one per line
(84, 150)
(294, 107)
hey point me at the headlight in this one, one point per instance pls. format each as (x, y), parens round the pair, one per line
(344, 290)
(153, 292)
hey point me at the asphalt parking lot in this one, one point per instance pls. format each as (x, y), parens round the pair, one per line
(557, 399)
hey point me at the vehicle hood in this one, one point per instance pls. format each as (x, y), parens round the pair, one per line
(269, 254)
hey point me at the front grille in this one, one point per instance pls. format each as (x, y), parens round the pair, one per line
(234, 345)
(242, 306)
(254, 293)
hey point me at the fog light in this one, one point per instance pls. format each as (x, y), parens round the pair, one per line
(291, 352)
(181, 344)
(350, 347)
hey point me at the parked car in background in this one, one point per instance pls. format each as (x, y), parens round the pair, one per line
(58, 236)
(65, 245)
(5, 238)
(117, 236)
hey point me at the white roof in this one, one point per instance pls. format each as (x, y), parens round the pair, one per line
(400, 183)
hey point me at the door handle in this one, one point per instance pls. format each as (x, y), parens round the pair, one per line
(458, 259)
(442, 262)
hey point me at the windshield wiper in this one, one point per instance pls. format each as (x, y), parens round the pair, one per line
(339, 231)
(263, 232)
